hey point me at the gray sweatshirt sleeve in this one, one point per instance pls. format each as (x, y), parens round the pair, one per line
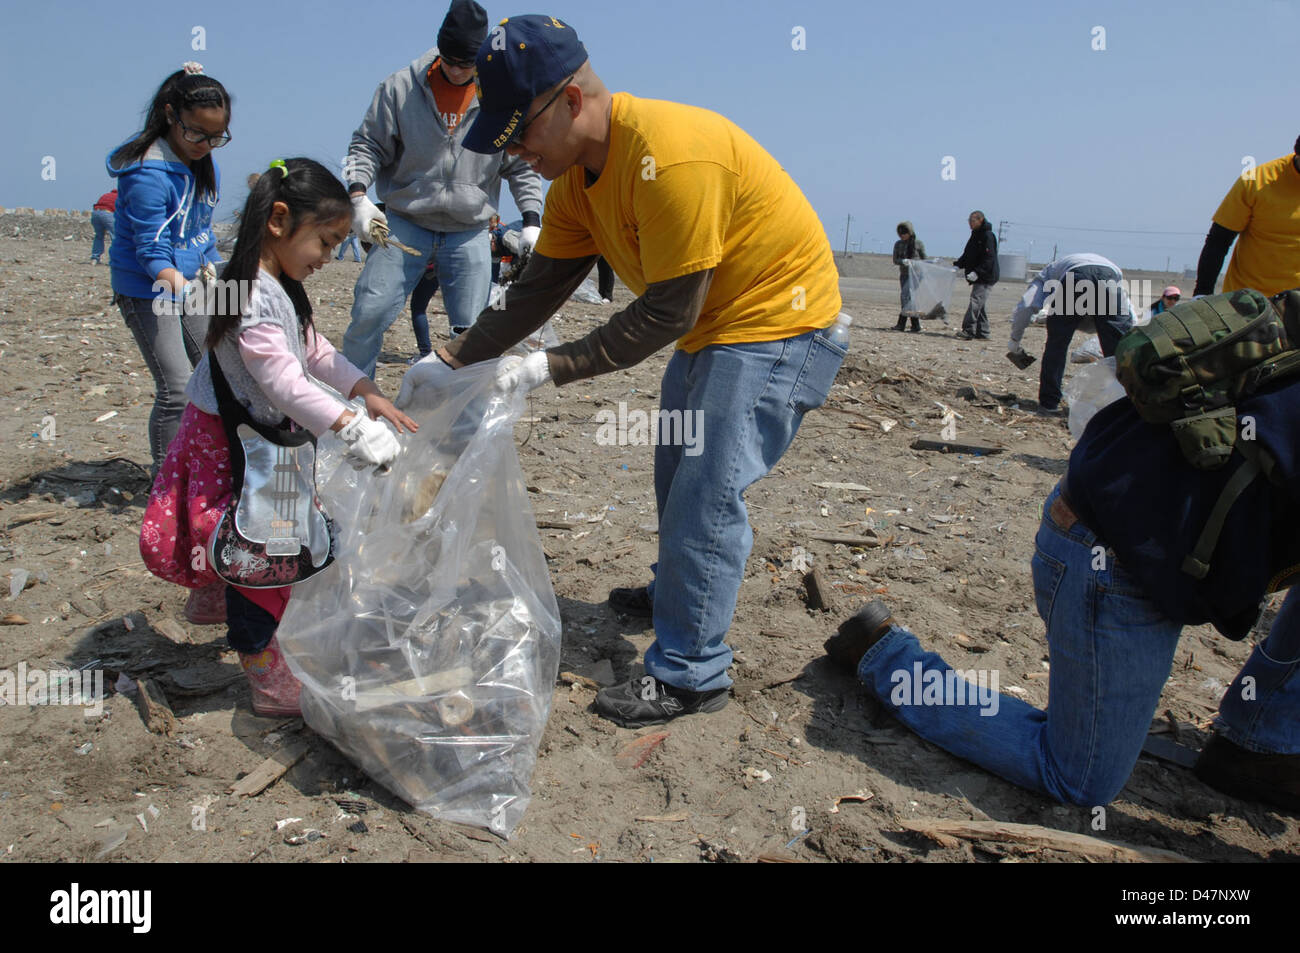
(374, 144)
(525, 184)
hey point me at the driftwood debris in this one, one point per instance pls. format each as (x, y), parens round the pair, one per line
(820, 594)
(941, 831)
(955, 446)
(154, 707)
(269, 771)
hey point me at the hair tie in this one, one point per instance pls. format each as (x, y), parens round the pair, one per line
(284, 169)
(193, 68)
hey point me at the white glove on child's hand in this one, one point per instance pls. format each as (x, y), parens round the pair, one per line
(369, 442)
(972, 277)
(428, 374)
(528, 238)
(364, 214)
(523, 373)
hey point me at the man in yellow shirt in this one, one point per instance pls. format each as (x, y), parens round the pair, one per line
(1263, 207)
(727, 259)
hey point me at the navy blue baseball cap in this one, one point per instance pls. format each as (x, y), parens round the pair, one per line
(521, 58)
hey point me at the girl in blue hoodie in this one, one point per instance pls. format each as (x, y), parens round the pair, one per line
(168, 186)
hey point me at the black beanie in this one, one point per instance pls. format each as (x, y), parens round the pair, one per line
(463, 31)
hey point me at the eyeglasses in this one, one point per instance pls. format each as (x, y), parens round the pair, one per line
(458, 64)
(1172, 297)
(523, 127)
(198, 135)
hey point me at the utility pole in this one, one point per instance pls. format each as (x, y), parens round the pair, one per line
(846, 235)
(1002, 227)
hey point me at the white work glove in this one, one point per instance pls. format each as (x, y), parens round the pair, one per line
(528, 238)
(364, 214)
(369, 442)
(972, 277)
(907, 263)
(426, 375)
(523, 373)
(1040, 316)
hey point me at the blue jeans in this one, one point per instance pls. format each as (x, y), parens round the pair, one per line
(748, 400)
(101, 220)
(1111, 651)
(171, 345)
(390, 275)
(350, 242)
(420, 298)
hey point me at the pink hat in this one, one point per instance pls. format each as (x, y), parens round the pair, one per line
(1170, 291)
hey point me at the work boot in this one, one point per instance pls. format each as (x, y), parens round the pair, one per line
(207, 606)
(275, 690)
(647, 701)
(857, 635)
(902, 323)
(1250, 775)
(916, 325)
(636, 602)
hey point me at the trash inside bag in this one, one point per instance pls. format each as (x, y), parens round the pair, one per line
(930, 285)
(1087, 352)
(1089, 390)
(428, 651)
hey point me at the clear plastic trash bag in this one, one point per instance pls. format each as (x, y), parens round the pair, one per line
(1089, 390)
(588, 292)
(930, 286)
(428, 651)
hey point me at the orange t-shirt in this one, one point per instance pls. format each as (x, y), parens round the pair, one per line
(453, 101)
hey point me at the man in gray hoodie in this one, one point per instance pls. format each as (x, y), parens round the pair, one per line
(438, 197)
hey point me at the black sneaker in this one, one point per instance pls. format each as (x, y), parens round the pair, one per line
(857, 635)
(983, 337)
(1057, 411)
(1250, 775)
(635, 602)
(645, 701)
(964, 335)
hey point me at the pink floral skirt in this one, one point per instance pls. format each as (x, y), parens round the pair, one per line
(189, 496)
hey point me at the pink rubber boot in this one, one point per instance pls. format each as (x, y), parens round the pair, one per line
(275, 690)
(207, 606)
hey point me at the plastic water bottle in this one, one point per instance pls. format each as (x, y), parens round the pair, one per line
(839, 331)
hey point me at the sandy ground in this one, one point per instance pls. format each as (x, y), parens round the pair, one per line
(760, 778)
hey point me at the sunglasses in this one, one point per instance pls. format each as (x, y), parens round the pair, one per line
(198, 135)
(523, 127)
(458, 64)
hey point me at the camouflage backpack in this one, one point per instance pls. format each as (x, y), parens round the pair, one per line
(1190, 366)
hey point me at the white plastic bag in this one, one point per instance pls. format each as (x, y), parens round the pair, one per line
(588, 292)
(428, 651)
(930, 285)
(1089, 390)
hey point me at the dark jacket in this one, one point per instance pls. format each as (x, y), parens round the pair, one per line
(981, 255)
(913, 249)
(1129, 483)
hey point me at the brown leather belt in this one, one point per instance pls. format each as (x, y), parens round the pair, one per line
(1061, 512)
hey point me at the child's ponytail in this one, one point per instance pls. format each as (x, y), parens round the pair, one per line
(312, 194)
(183, 89)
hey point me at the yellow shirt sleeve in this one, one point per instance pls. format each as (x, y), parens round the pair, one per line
(683, 213)
(563, 233)
(1235, 209)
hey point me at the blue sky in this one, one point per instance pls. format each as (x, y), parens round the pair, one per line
(1045, 131)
